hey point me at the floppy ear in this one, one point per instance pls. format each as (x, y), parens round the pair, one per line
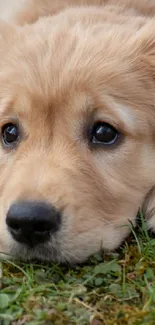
(144, 49)
(144, 44)
(149, 209)
(7, 30)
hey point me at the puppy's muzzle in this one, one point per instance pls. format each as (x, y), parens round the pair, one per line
(32, 223)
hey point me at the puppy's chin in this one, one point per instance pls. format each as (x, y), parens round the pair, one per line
(42, 253)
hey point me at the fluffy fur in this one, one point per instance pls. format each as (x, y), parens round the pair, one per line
(63, 66)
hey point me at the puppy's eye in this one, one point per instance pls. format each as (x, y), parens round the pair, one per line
(10, 134)
(104, 133)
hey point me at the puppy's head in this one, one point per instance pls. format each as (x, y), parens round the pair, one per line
(77, 135)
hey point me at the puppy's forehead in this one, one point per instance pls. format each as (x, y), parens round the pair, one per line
(68, 73)
(46, 59)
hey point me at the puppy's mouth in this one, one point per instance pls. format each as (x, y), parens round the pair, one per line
(43, 252)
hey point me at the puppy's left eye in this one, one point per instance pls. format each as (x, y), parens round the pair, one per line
(10, 134)
(104, 133)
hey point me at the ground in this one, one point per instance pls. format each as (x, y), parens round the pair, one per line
(115, 289)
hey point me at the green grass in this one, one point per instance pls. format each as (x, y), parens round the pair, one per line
(110, 289)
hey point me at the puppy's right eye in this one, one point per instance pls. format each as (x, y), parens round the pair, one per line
(10, 134)
(104, 134)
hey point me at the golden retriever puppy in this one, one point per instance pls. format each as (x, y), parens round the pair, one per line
(77, 118)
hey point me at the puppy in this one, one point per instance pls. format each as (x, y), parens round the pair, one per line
(77, 119)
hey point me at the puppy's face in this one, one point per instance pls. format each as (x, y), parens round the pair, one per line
(77, 140)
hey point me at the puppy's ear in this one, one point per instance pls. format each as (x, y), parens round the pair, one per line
(149, 209)
(144, 44)
(144, 55)
(7, 30)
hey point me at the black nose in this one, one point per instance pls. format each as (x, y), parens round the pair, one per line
(32, 222)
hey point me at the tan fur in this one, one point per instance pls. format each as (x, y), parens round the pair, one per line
(91, 61)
